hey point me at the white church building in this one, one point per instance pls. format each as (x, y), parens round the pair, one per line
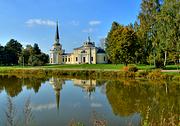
(88, 53)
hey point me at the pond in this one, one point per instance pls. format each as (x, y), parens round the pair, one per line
(67, 102)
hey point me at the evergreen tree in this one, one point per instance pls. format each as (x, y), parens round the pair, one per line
(36, 49)
(12, 52)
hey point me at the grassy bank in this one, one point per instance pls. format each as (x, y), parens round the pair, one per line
(87, 73)
(79, 67)
(89, 67)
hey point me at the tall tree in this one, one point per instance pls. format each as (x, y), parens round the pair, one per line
(2, 55)
(169, 29)
(111, 44)
(148, 24)
(33, 56)
(36, 49)
(13, 50)
(122, 45)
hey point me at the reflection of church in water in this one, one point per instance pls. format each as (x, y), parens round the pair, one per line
(87, 85)
(57, 86)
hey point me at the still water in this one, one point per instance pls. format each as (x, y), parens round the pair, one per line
(62, 102)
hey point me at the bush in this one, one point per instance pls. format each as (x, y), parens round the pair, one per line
(159, 64)
(131, 68)
(167, 76)
(143, 73)
(156, 74)
(177, 78)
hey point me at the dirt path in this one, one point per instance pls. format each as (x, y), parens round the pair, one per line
(168, 71)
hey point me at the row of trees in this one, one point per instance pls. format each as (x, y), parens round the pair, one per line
(14, 54)
(153, 39)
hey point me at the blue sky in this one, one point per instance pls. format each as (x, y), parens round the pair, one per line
(33, 21)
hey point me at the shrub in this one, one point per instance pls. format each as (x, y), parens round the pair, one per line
(130, 74)
(143, 73)
(131, 68)
(167, 76)
(156, 74)
(159, 64)
(177, 78)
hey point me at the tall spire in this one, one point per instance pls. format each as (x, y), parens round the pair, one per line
(89, 39)
(57, 34)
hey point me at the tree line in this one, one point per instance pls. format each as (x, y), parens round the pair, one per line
(13, 53)
(154, 38)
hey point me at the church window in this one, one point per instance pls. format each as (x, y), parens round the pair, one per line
(83, 51)
(104, 58)
(66, 59)
(63, 59)
(51, 60)
(76, 58)
(69, 59)
(91, 58)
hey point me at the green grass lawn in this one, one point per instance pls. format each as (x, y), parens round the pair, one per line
(86, 66)
(97, 66)
(171, 67)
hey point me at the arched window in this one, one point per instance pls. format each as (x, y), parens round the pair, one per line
(83, 51)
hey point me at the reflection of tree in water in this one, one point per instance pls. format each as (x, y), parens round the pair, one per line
(13, 85)
(128, 97)
(34, 83)
(1, 87)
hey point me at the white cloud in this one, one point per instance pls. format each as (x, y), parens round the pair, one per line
(95, 22)
(89, 30)
(43, 107)
(32, 22)
(96, 105)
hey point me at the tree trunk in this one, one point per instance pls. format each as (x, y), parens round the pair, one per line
(126, 64)
(165, 58)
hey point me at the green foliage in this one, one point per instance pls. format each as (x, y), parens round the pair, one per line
(143, 73)
(9, 54)
(156, 74)
(14, 54)
(36, 49)
(159, 30)
(169, 29)
(33, 56)
(121, 44)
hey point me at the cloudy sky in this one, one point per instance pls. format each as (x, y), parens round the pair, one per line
(33, 21)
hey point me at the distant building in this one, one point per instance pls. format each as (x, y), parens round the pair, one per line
(87, 53)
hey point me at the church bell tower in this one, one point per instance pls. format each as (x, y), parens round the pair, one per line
(56, 51)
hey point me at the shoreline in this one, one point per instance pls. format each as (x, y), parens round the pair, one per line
(91, 73)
